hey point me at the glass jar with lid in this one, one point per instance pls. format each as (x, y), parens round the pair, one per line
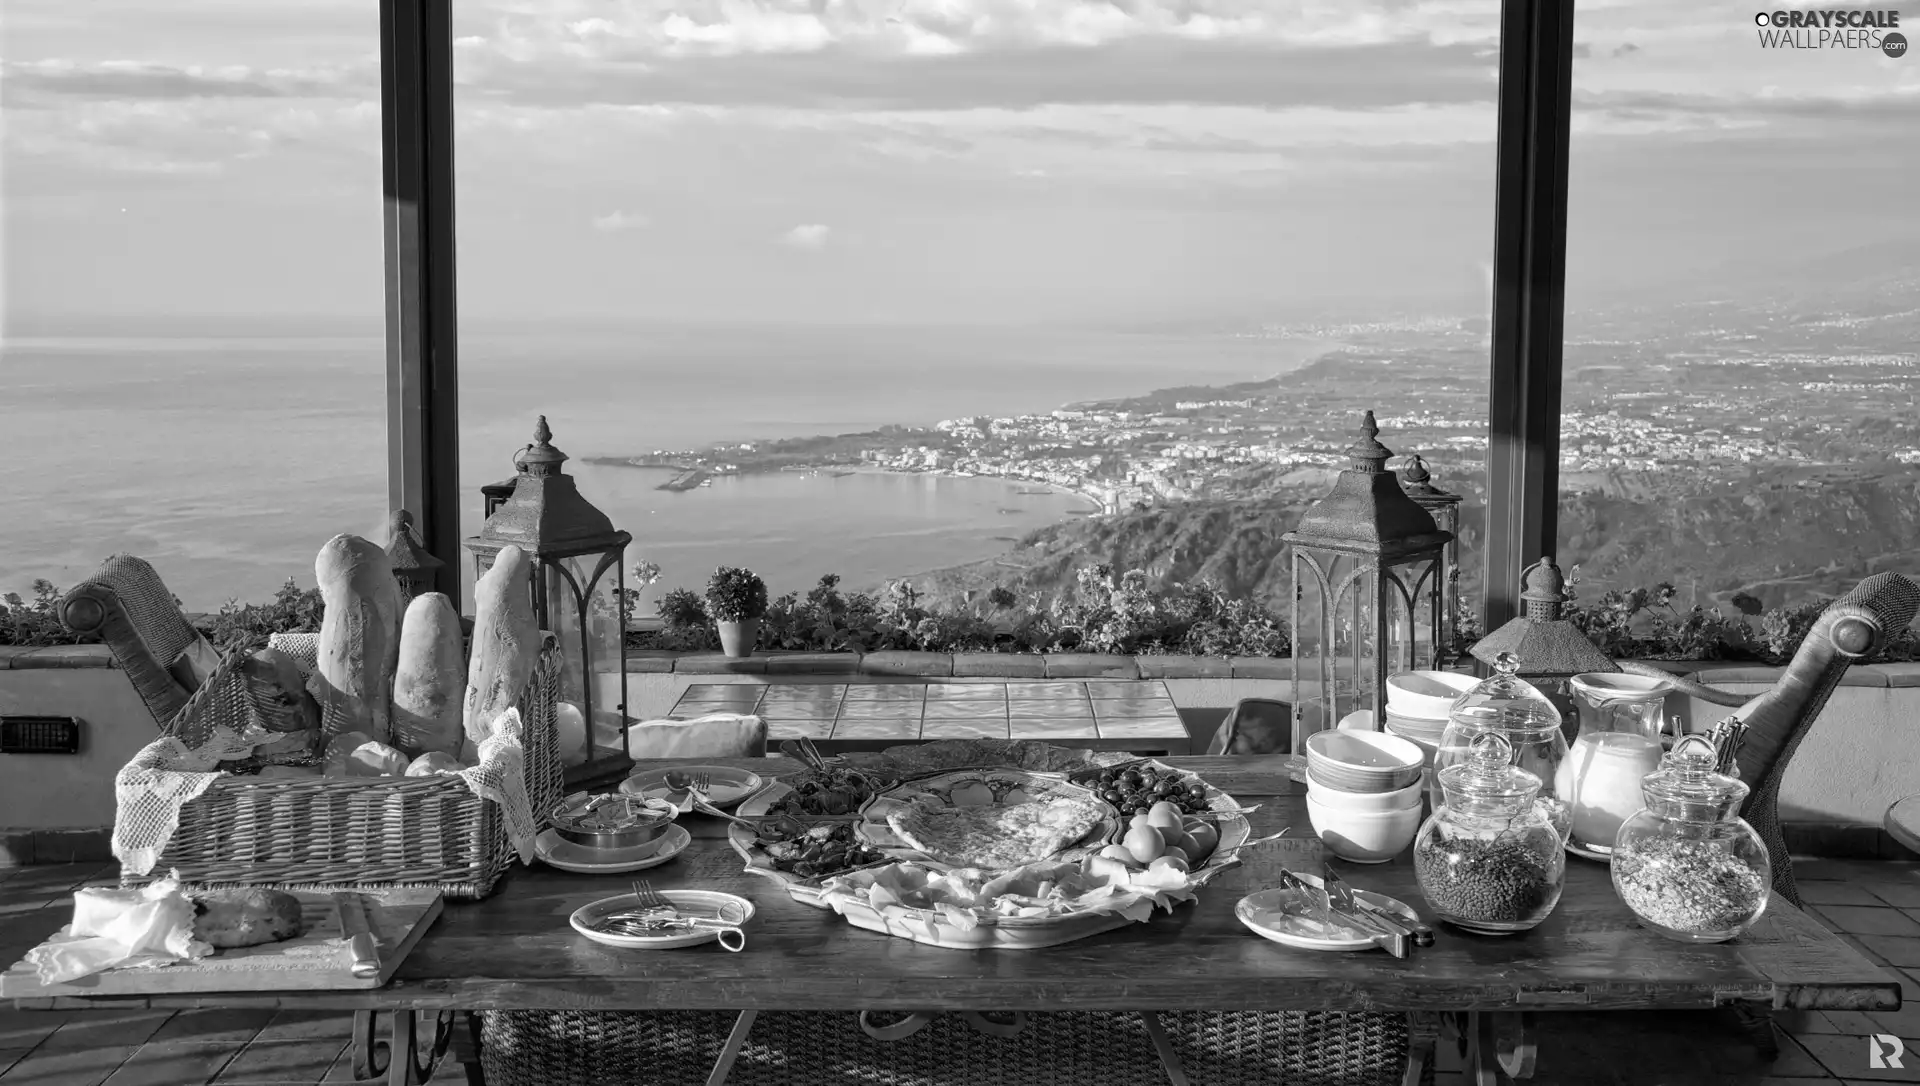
(1489, 859)
(1688, 865)
(1516, 709)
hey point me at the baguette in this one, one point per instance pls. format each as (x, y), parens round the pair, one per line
(506, 644)
(359, 637)
(430, 683)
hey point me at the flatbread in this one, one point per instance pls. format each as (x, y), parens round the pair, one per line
(995, 836)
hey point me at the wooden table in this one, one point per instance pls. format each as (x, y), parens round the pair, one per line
(515, 951)
(1136, 716)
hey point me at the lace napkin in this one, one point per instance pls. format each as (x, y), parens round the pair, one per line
(148, 927)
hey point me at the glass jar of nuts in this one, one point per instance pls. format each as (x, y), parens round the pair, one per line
(1688, 865)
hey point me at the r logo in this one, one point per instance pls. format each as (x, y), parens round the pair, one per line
(1884, 1050)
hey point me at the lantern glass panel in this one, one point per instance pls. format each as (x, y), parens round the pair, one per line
(1414, 615)
(1335, 638)
(607, 661)
(574, 697)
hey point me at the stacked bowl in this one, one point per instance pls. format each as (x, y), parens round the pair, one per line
(1364, 793)
(1418, 703)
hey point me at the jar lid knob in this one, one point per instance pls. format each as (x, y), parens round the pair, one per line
(1490, 755)
(1507, 664)
(1693, 758)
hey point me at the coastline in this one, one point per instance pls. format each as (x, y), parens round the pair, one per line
(1012, 480)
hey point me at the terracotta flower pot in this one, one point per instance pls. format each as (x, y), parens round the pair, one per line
(738, 638)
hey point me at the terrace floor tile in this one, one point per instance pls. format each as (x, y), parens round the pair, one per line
(1102, 690)
(965, 710)
(66, 1066)
(1047, 690)
(1029, 728)
(174, 1064)
(979, 728)
(798, 729)
(1857, 920)
(875, 729)
(306, 1061)
(967, 692)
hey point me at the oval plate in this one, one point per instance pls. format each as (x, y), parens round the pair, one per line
(581, 860)
(1276, 914)
(726, 785)
(699, 903)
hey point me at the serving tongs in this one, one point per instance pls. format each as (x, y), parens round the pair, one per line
(1320, 907)
(805, 751)
(1343, 895)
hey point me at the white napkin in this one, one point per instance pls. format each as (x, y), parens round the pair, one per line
(120, 928)
(716, 735)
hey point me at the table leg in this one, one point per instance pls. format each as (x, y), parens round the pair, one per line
(1498, 1042)
(1169, 1059)
(1757, 1020)
(1424, 1033)
(401, 1057)
(731, 1050)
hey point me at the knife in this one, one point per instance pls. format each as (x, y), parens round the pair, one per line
(1398, 941)
(353, 925)
(1322, 906)
(1419, 933)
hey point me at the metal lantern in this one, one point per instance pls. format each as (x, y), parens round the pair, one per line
(577, 587)
(1363, 558)
(413, 566)
(1550, 649)
(1444, 507)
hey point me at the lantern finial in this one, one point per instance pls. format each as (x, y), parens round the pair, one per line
(1417, 474)
(1543, 591)
(540, 458)
(1368, 454)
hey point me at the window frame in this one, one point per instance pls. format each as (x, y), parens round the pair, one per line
(1528, 306)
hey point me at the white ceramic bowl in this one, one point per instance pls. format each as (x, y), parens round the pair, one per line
(1365, 837)
(1341, 799)
(1364, 761)
(1426, 694)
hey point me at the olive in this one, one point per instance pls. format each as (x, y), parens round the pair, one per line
(1111, 795)
(1162, 788)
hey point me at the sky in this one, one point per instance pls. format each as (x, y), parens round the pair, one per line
(918, 161)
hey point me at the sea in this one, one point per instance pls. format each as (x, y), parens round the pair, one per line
(227, 460)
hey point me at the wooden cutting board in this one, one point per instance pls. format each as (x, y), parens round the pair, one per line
(317, 960)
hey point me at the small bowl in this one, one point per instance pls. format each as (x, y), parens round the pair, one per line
(1364, 761)
(1364, 837)
(1341, 799)
(650, 820)
(1426, 694)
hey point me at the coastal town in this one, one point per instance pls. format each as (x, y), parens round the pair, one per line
(1649, 414)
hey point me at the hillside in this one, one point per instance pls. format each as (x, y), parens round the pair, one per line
(1783, 543)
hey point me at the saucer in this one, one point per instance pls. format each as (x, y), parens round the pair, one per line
(610, 861)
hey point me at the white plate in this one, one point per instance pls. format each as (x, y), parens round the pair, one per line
(726, 787)
(704, 903)
(1266, 914)
(1589, 854)
(582, 860)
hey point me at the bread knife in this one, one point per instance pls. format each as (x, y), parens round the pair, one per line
(353, 925)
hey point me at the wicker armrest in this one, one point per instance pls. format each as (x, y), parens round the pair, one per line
(95, 608)
(1691, 687)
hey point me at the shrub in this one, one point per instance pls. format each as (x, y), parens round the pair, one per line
(245, 627)
(736, 595)
(36, 623)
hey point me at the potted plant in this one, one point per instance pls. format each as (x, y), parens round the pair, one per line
(737, 599)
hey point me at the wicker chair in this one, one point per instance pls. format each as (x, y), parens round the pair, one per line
(127, 606)
(1852, 628)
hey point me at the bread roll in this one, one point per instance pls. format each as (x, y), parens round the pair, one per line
(359, 637)
(506, 642)
(434, 762)
(430, 682)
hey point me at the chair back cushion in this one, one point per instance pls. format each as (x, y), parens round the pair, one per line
(1256, 726)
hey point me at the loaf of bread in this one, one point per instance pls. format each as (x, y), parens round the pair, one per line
(359, 637)
(506, 644)
(248, 916)
(430, 681)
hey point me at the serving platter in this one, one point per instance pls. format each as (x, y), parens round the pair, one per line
(726, 785)
(705, 904)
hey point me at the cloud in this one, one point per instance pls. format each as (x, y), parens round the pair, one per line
(810, 235)
(131, 81)
(617, 221)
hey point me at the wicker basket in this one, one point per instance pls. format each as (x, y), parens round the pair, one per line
(1064, 1048)
(346, 831)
